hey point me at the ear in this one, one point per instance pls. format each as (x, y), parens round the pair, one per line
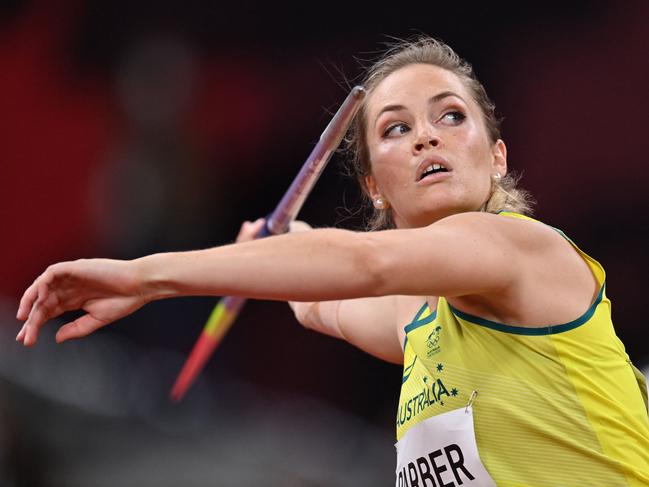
(372, 188)
(499, 152)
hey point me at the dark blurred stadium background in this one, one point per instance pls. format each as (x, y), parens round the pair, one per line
(135, 127)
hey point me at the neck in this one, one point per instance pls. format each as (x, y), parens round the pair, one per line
(430, 218)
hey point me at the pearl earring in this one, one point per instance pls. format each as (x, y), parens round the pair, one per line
(379, 203)
(496, 177)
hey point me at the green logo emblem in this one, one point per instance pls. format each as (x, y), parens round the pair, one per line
(432, 342)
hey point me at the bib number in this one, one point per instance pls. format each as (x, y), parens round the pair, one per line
(441, 452)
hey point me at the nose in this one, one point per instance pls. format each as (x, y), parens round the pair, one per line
(425, 138)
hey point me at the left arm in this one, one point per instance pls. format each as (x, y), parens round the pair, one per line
(469, 253)
(463, 254)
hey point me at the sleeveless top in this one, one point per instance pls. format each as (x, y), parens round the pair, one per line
(560, 405)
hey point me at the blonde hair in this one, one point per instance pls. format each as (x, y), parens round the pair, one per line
(505, 194)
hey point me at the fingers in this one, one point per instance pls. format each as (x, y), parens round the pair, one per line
(27, 301)
(37, 305)
(299, 226)
(79, 328)
(29, 332)
(249, 230)
(43, 308)
(21, 334)
(62, 287)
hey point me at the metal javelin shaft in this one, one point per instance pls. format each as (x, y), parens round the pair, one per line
(227, 309)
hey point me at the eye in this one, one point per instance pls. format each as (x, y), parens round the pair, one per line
(453, 118)
(396, 129)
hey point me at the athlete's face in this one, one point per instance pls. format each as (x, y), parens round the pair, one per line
(421, 116)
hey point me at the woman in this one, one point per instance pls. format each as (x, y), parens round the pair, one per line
(510, 318)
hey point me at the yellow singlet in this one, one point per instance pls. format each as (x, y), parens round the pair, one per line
(556, 406)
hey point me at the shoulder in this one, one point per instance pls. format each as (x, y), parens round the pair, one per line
(467, 254)
(517, 246)
(481, 218)
(524, 233)
(537, 264)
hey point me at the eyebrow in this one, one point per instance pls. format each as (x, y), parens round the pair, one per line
(433, 99)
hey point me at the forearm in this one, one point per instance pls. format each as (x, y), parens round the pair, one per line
(320, 316)
(367, 323)
(319, 265)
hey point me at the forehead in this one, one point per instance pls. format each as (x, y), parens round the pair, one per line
(411, 83)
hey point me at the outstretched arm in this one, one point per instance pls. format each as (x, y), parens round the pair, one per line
(463, 254)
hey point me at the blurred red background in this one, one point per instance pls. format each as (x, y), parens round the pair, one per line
(130, 128)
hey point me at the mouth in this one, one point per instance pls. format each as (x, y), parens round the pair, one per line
(429, 168)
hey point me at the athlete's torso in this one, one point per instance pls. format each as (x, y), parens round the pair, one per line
(555, 406)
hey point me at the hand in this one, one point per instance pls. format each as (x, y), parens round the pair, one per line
(106, 289)
(249, 230)
(299, 226)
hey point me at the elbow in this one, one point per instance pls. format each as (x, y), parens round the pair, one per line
(313, 317)
(307, 314)
(301, 311)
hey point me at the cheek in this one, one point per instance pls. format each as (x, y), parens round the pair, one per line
(473, 140)
(389, 161)
(382, 152)
(477, 149)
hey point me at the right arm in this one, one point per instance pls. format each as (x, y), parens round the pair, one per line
(367, 323)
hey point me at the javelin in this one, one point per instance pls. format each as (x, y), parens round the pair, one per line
(228, 308)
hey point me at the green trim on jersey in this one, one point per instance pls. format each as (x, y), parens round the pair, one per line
(542, 330)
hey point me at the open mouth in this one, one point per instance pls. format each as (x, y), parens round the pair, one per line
(432, 169)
